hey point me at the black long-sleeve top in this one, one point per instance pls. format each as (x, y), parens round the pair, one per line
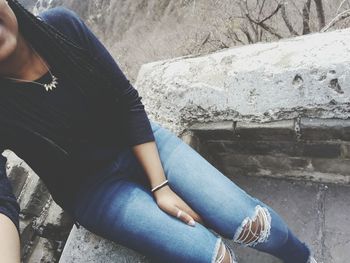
(63, 177)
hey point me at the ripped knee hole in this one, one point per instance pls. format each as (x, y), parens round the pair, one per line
(224, 249)
(254, 230)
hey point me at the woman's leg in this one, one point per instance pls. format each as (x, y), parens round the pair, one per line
(115, 206)
(224, 207)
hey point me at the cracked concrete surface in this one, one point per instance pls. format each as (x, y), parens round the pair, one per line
(259, 82)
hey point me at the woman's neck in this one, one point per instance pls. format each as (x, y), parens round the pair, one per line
(22, 63)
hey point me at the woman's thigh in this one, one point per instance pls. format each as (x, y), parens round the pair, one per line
(222, 204)
(218, 200)
(124, 211)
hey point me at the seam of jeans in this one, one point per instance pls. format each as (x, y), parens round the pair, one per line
(173, 152)
(216, 249)
(156, 125)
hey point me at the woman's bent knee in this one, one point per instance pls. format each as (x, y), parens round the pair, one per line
(225, 254)
(256, 229)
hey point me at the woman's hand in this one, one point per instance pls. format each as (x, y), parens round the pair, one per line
(171, 203)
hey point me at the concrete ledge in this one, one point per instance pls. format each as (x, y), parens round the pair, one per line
(84, 246)
(325, 129)
(262, 82)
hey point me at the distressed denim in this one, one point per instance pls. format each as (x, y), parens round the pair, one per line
(118, 205)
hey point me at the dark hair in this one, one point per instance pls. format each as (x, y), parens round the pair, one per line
(67, 59)
(64, 56)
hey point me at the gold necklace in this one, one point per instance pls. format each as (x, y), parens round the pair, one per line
(49, 86)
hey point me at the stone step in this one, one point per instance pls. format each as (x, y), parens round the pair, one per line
(302, 148)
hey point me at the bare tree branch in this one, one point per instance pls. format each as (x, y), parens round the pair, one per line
(237, 38)
(335, 20)
(261, 8)
(218, 43)
(272, 14)
(296, 7)
(244, 10)
(264, 25)
(341, 5)
(247, 34)
(306, 17)
(320, 13)
(286, 20)
(253, 26)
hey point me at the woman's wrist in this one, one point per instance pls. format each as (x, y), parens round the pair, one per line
(161, 192)
(160, 185)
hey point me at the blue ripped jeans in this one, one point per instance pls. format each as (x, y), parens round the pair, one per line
(118, 205)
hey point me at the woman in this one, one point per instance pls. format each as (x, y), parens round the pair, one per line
(72, 115)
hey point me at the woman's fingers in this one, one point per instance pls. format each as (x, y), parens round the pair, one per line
(184, 216)
(195, 216)
(192, 213)
(171, 203)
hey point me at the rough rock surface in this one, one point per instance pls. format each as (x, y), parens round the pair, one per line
(302, 76)
(84, 246)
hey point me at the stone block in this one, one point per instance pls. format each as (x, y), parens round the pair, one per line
(45, 251)
(18, 176)
(314, 129)
(345, 150)
(54, 223)
(273, 163)
(26, 229)
(282, 130)
(28, 236)
(254, 147)
(33, 196)
(16, 171)
(223, 130)
(321, 149)
(337, 228)
(294, 168)
(334, 166)
(285, 148)
(84, 246)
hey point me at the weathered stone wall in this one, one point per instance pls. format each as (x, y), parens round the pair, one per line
(302, 148)
(44, 226)
(303, 76)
